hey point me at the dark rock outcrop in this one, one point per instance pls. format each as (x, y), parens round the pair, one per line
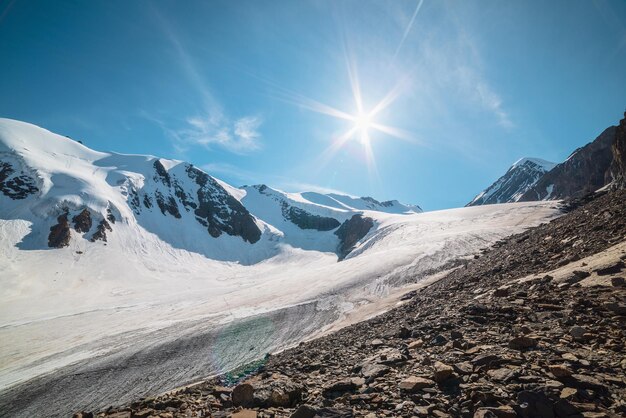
(583, 172)
(110, 216)
(351, 232)
(162, 174)
(618, 165)
(59, 236)
(167, 205)
(15, 185)
(100, 233)
(221, 212)
(82, 221)
(306, 220)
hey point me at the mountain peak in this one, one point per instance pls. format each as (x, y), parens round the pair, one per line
(518, 179)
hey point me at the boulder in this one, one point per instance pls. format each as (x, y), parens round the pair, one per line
(442, 372)
(522, 343)
(415, 383)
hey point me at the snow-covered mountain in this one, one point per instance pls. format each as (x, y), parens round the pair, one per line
(518, 179)
(73, 194)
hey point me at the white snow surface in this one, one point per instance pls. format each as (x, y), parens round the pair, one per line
(58, 306)
(544, 164)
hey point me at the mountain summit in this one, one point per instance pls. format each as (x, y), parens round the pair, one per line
(518, 179)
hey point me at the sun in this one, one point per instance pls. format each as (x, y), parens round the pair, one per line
(362, 122)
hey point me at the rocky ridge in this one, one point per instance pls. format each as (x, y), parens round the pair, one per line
(584, 171)
(497, 337)
(518, 179)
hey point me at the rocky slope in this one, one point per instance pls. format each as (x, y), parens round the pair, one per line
(532, 327)
(518, 179)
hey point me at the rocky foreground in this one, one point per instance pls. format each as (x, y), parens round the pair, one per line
(532, 327)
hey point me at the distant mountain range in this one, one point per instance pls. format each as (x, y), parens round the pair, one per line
(600, 163)
(69, 192)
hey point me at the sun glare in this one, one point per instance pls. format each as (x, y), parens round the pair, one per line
(362, 122)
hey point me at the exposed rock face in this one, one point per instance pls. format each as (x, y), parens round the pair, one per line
(583, 172)
(110, 216)
(167, 205)
(161, 173)
(214, 208)
(618, 166)
(306, 220)
(522, 176)
(100, 233)
(15, 185)
(220, 212)
(59, 236)
(299, 216)
(82, 221)
(350, 232)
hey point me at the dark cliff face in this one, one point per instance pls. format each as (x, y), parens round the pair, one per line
(618, 165)
(351, 232)
(583, 172)
(15, 184)
(306, 220)
(300, 217)
(220, 212)
(213, 207)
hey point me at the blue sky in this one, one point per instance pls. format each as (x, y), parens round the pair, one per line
(259, 91)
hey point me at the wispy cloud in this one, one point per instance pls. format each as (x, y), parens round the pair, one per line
(408, 29)
(240, 136)
(213, 127)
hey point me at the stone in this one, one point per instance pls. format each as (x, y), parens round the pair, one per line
(415, 383)
(304, 411)
(442, 372)
(568, 393)
(503, 374)
(245, 413)
(464, 367)
(377, 343)
(339, 388)
(585, 382)
(563, 408)
(334, 413)
(500, 412)
(372, 370)
(439, 340)
(577, 332)
(618, 282)
(243, 395)
(522, 343)
(501, 292)
(560, 371)
(485, 359)
(533, 405)
(416, 344)
(611, 269)
(455, 335)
